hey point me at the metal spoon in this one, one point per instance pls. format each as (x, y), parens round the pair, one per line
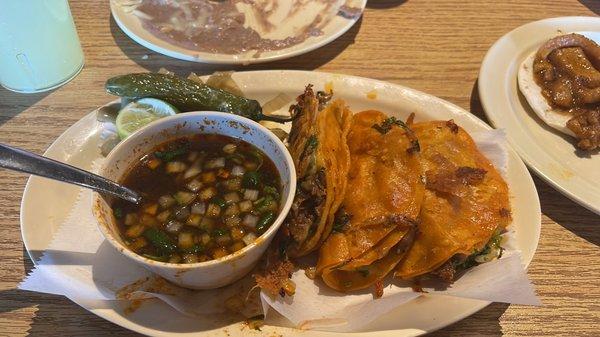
(25, 161)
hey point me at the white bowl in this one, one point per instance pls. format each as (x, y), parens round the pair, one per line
(214, 273)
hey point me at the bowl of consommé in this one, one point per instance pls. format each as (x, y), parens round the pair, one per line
(215, 189)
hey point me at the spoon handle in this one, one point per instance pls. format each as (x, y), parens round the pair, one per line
(28, 162)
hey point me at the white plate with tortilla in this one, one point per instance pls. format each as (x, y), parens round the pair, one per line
(550, 153)
(235, 32)
(46, 203)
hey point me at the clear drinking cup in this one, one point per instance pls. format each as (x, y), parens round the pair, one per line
(39, 47)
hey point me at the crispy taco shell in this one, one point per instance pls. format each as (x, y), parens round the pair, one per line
(380, 206)
(318, 146)
(466, 199)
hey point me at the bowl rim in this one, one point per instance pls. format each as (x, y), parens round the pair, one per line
(104, 229)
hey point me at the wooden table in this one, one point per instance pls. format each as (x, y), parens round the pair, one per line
(434, 46)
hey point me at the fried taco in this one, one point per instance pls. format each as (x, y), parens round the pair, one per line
(376, 222)
(466, 205)
(317, 143)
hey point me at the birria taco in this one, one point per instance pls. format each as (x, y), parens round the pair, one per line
(317, 143)
(377, 220)
(466, 205)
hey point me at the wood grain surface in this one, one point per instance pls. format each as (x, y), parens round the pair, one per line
(435, 46)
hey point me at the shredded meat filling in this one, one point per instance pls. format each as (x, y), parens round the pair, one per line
(452, 181)
(307, 206)
(446, 272)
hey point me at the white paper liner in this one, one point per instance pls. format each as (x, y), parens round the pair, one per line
(82, 266)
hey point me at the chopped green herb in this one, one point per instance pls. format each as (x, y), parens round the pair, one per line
(219, 232)
(251, 179)
(387, 124)
(118, 212)
(264, 204)
(364, 271)
(471, 261)
(172, 154)
(218, 201)
(272, 191)
(195, 249)
(341, 220)
(347, 284)
(160, 240)
(264, 222)
(310, 146)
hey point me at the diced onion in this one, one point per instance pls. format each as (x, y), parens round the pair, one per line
(250, 220)
(237, 171)
(207, 224)
(231, 197)
(163, 216)
(166, 201)
(184, 198)
(199, 208)
(186, 240)
(251, 195)
(194, 220)
(232, 209)
(182, 214)
(245, 206)
(131, 219)
(223, 239)
(233, 184)
(135, 231)
(205, 239)
(229, 148)
(194, 185)
(213, 210)
(232, 221)
(237, 233)
(249, 238)
(207, 193)
(193, 171)
(175, 167)
(174, 226)
(208, 177)
(215, 163)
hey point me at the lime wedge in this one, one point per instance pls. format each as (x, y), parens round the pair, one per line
(140, 113)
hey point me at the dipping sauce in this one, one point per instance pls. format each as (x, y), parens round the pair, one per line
(204, 197)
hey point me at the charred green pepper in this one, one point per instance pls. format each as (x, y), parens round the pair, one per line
(186, 95)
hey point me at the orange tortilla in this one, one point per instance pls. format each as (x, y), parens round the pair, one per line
(329, 126)
(457, 217)
(383, 198)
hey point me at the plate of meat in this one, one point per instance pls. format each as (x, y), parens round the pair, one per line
(540, 82)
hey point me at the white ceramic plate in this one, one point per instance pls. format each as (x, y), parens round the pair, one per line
(549, 153)
(132, 27)
(46, 202)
